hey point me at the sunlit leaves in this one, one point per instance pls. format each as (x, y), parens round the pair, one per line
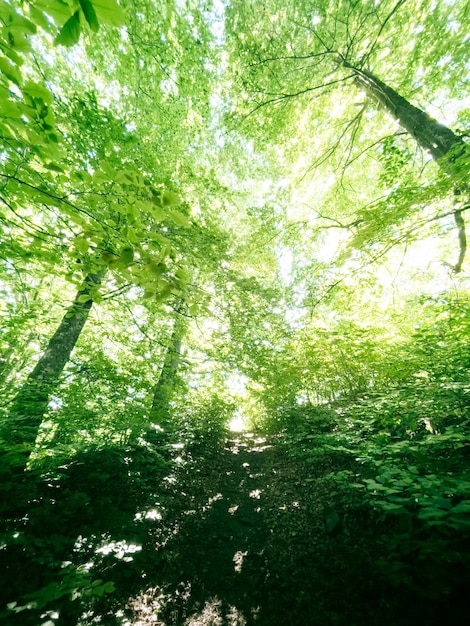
(90, 15)
(37, 91)
(10, 70)
(70, 31)
(81, 244)
(109, 12)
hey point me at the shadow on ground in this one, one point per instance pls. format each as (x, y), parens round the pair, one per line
(252, 547)
(235, 536)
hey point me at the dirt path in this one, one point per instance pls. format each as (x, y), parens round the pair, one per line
(241, 535)
(249, 546)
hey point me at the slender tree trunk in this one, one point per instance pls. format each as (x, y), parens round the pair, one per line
(31, 402)
(159, 412)
(428, 132)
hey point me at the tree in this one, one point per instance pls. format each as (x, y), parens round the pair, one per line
(291, 60)
(109, 202)
(160, 410)
(431, 136)
(449, 150)
(28, 407)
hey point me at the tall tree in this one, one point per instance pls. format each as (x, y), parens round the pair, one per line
(30, 404)
(162, 391)
(87, 167)
(449, 150)
(431, 135)
(284, 66)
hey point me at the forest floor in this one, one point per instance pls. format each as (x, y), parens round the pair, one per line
(244, 533)
(260, 538)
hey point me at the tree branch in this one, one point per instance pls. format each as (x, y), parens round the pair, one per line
(381, 29)
(280, 97)
(292, 58)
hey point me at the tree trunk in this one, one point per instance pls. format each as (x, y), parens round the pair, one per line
(159, 412)
(428, 132)
(30, 404)
(432, 136)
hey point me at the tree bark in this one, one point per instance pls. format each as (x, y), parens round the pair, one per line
(159, 411)
(459, 221)
(428, 132)
(440, 141)
(31, 402)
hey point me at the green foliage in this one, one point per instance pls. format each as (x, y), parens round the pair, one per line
(70, 31)
(90, 14)
(203, 426)
(91, 502)
(269, 246)
(75, 583)
(402, 450)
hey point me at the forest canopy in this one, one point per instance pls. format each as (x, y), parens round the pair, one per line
(222, 216)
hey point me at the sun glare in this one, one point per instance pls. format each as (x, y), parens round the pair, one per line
(238, 422)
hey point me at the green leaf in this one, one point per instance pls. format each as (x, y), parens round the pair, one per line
(157, 213)
(109, 587)
(81, 244)
(70, 32)
(109, 12)
(462, 508)
(179, 219)
(39, 18)
(54, 167)
(372, 484)
(10, 70)
(59, 11)
(90, 14)
(14, 56)
(127, 255)
(34, 90)
(331, 519)
(164, 294)
(431, 512)
(389, 506)
(169, 198)
(8, 108)
(142, 205)
(84, 298)
(19, 24)
(155, 269)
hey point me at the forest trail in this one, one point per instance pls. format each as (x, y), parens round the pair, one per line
(236, 533)
(249, 545)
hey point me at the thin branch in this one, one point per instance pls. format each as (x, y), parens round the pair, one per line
(296, 57)
(116, 292)
(355, 124)
(62, 199)
(278, 97)
(392, 244)
(315, 34)
(372, 145)
(355, 39)
(142, 329)
(284, 97)
(35, 231)
(337, 223)
(394, 10)
(332, 149)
